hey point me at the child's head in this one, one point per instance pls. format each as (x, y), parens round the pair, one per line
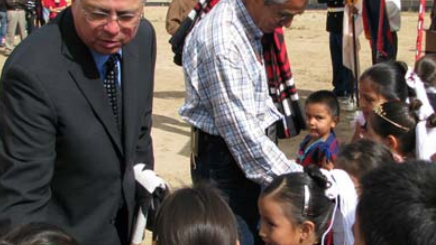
(393, 124)
(294, 208)
(397, 205)
(425, 68)
(322, 113)
(380, 83)
(195, 216)
(37, 234)
(362, 156)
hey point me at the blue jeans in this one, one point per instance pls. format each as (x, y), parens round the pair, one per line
(3, 23)
(342, 76)
(215, 163)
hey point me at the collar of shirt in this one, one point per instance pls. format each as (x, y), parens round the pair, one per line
(100, 60)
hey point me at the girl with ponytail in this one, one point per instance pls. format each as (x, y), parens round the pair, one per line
(395, 125)
(302, 208)
(378, 84)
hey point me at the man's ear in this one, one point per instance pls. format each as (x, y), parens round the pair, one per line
(307, 233)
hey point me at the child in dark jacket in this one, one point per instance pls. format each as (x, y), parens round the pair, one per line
(320, 146)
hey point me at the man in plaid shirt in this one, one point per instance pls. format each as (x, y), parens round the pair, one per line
(228, 103)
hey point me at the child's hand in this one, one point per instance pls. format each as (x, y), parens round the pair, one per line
(327, 165)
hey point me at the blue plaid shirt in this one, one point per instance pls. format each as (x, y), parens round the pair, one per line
(227, 90)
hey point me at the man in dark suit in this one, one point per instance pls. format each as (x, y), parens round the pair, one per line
(65, 159)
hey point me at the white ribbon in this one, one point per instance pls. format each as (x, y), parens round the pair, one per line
(424, 135)
(342, 190)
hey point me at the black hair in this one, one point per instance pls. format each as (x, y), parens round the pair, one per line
(398, 205)
(37, 234)
(195, 215)
(389, 79)
(397, 119)
(326, 98)
(289, 191)
(425, 68)
(362, 156)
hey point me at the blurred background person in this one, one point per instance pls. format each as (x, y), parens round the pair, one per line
(3, 22)
(16, 18)
(177, 12)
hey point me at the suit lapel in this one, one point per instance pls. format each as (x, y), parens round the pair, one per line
(84, 72)
(93, 90)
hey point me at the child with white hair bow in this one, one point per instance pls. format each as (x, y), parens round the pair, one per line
(302, 208)
(425, 127)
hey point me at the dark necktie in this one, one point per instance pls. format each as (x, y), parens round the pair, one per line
(111, 86)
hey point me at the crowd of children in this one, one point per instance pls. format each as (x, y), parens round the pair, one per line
(317, 206)
(394, 127)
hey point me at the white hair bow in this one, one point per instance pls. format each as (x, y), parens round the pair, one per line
(342, 190)
(424, 135)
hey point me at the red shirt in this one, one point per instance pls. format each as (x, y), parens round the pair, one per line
(52, 5)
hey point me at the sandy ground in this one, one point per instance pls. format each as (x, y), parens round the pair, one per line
(308, 49)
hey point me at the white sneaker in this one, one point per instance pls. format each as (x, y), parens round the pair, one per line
(346, 103)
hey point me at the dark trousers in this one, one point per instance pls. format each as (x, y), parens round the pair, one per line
(373, 19)
(342, 76)
(215, 163)
(395, 44)
(394, 47)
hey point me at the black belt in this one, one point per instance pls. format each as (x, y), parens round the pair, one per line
(199, 138)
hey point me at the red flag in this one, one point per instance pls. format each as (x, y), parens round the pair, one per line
(420, 29)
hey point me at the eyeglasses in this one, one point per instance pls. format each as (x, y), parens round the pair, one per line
(101, 18)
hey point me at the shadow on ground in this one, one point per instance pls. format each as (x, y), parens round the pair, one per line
(169, 94)
(169, 124)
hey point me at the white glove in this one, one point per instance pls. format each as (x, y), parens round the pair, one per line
(148, 178)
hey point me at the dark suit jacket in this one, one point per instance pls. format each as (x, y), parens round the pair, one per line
(62, 159)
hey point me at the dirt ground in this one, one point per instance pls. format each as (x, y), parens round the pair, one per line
(308, 50)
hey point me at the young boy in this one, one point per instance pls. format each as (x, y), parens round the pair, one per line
(320, 145)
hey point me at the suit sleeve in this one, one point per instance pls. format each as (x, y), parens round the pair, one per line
(27, 148)
(144, 151)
